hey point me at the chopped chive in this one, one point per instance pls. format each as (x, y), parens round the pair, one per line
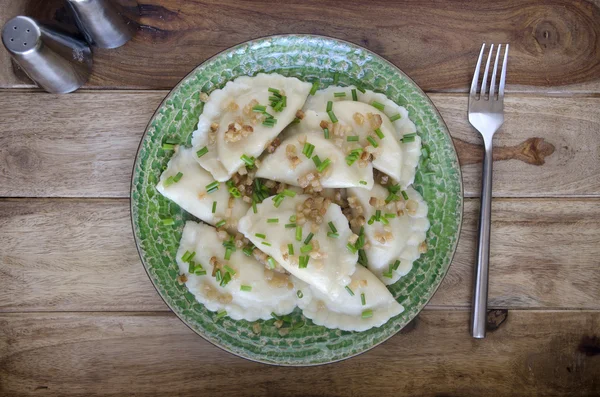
(177, 177)
(221, 314)
(187, 256)
(290, 225)
(248, 160)
(260, 235)
(349, 290)
(168, 221)
(391, 197)
(378, 105)
(372, 141)
(254, 209)
(291, 249)
(306, 248)
(273, 220)
(295, 121)
(361, 89)
(362, 257)
(200, 272)
(245, 288)
(384, 221)
(275, 316)
(395, 265)
(354, 95)
(168, 146)
(277, 200)
(352, 138)
(269, 122)
(289, 193)
(339, 94)
(371, 220)
(362, 182)
(395, 117)
(214, 207)
(323, 166)
(226, 279)
(229, 270)
(299, 294)
(332, 227)
(221, 223)
(363, 300)
(228, 252)
(274, 90)
(271, 263)
(298, 233)
(218, 276)
(332, 235)
(332, 117)
(387, 274)
(248, 250)
(390, 216)
(308, 238)
(303, 261)
(293, 218)
(367, 313)
(314, 88)
(394, 188)
(202, 151)
(265, 243)
(404, 195)
(259, 108)
(336, 78)
(316, 160)
(211, 187)
(269, 116)
(411, 135)
(169, 181)
(329, 106)
(379, 133)
(407, 139)
(326, 133)
(191, 267)
(351, 248)
(307, 150)
(274, 98)
(378, 215)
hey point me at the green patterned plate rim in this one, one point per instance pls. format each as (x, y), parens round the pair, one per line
(309, 58)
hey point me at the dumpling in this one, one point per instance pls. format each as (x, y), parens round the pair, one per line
(252, 292)
(398, 159)
(364, 304)
(272, 228)
(233, 123)
(190, 192)
(395, 237)
(290, 165)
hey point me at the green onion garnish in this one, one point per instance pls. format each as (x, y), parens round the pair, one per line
(387, 274)
(390, 216)
(295, 121)
(349, 290)
(221, 223)
(290, 225)
(248, 160)
(379, 133)
(308, 238)
(407, 139)
(228, 252)
(245, 288)
(391, 197)
(177, 177)
(248, 250)
(307, 150)
(218, 276)
(260, 235)
(404, 195)
(168, 221)
(372, 141)
(339, 94)
(187, 256)
(361, 89)
(212, 187)
(271, 263)
(378, 105)
(351, 248)
(214, 207)
(352, 138)
(168, 146)
(259, 108)
(229, 270)
(314, 88)
(396, 117)
(332, 235)
(273, 220)
(306, 248)
(395, 265)
(362, 257)
(371, 220)
(298, 233)
(254, 209)
(293, 218)
(332, 117)
(277, 200)
(326, 133)
(274, 90)
(324, 164)
(332, 227)
(289, 193)
(363, 300)
(221, 314)
(362, 182)
(353, 156)
(291, 249)
(377, 215)
(200, 272)
(202, 151)
(299, 294)
(303, 261)
(354, 95)
(316, 160)
(269, 122)
(329, 106)
(265, 243)
(367, 313)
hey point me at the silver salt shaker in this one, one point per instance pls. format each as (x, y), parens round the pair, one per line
(57, 62)
(101, 23)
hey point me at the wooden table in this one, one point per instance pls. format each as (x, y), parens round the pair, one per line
(78, 315)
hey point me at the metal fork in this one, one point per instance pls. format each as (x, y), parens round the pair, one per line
(486, 114)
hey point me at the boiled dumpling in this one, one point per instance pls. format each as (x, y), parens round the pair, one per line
(272, 228)
(233, 123)
(364, 303)
(252, 293)
(398, 159)
(290, 165)
(190, 190)
(400, 233)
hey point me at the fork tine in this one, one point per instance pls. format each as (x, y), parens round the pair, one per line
(493, 80)
(485, 74)
(503, 76)
(476, 75)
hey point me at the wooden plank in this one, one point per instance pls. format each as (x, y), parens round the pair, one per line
(555, 45)
(547, 147)
(79, 255)
(531, 353)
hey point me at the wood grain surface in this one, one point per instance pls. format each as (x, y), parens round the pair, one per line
(555, 44)
(529, 352)
(79, 255)
(84, 144)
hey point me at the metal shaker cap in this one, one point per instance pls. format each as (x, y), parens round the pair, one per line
(57, 62)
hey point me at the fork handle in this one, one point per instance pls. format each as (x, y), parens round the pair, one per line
(480, 288)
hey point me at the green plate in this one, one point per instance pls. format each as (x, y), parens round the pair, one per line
(309, 58)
